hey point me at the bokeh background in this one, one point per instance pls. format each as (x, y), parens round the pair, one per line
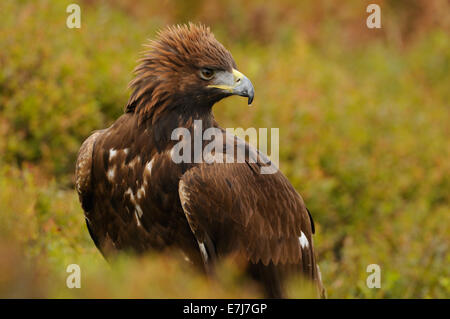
(364, 137)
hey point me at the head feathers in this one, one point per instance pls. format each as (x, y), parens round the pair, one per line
(191, 44)
(167, 70)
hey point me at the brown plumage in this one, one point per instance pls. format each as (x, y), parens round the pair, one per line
(136, 197)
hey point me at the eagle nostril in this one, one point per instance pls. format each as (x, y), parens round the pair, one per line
(238, 80)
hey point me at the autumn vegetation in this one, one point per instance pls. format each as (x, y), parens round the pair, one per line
(364, 137)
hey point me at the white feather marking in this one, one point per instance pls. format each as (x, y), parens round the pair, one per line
(149, 167)
(141, 192)
(112, 154)
(139, 210)
(130, 192)
(203, 251)
(111, 173)
(137, 219)
(303, 240)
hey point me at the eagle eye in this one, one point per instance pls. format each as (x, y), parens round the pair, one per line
(207, 74)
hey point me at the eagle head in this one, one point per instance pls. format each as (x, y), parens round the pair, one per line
(185, 68)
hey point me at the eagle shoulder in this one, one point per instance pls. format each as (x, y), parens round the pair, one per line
(83, 167)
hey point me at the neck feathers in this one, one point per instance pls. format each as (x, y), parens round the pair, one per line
(165, 114)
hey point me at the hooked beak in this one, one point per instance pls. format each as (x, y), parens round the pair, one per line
(238, 84)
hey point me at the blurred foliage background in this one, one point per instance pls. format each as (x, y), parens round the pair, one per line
(364, 137)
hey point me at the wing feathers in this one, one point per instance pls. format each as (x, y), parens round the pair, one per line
(261, 215)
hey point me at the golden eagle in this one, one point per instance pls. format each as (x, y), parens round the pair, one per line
(136, 197)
